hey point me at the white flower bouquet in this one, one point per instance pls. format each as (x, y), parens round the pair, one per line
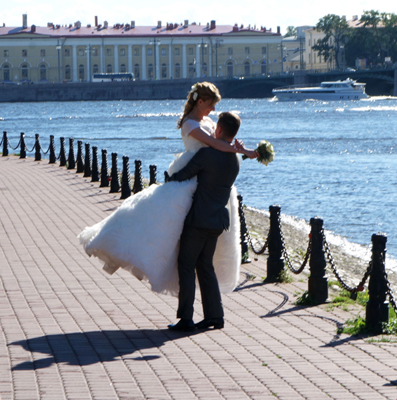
(266, 152)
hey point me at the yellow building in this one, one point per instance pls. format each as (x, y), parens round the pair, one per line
(167, 51)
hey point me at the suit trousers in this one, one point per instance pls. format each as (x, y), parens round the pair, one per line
(196, 253)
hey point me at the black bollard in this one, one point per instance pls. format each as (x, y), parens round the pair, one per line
(71, 159)
(104, 169)
(377, 309)
(5, 144)
(318, 283)
(23, 146)
(62, 153)
(37, 148)
(243, 232)
(94, 173)
(126, 187)
(114, 183)
(275, 261)
(138, 184)
(153, 174)
(80, 162)
(87, 161)
(52, 158)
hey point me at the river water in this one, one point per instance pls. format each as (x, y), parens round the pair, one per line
(335, 160)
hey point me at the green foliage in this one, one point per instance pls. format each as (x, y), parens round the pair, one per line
(353, 327)
(305, 300)
(291, 32)
(390, 328)
(284, 276)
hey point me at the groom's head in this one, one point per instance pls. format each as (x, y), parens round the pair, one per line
(227, 126)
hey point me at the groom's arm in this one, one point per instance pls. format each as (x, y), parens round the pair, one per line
(191, 169)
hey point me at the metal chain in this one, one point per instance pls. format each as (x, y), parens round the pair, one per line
(1, 143)
(248, 237)
(350, 289)
(30, 151)
(286, 256)
(9, 144)
(45, 152)
(390, 294)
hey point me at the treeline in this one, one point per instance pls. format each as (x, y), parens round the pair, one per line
(374, 38)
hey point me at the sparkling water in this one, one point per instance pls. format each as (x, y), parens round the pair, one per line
(335, 160)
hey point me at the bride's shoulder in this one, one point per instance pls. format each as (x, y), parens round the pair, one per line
(188, 125)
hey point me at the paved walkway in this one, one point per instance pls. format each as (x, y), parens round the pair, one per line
(69, 331)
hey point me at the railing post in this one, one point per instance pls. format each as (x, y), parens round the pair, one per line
(87, 161)
(243, 232)
(377, 309)
(52, 157)
(138, 184)
(318, 283)
(125, 186)
(62, 153)
(275, 261)
(23, 146)
(153, 174)
(37, 148)
(104, 169)
(80, 162)
(94, 173)
(5, 144)
(114, 183)
(71, 159)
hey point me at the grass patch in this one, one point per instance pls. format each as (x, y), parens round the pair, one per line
(306, 300)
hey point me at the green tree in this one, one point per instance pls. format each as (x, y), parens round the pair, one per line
(291, 31)
(335, 31)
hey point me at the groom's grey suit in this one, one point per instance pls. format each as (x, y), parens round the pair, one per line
(216, 172)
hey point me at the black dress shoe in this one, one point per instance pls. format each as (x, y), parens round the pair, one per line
(216, 323)
(183, 325)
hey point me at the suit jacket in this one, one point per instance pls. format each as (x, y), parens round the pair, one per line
(216, 172)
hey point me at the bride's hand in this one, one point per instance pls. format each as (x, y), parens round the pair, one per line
(240, 148)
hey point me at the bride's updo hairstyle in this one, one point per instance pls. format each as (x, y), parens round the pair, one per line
(200, 90)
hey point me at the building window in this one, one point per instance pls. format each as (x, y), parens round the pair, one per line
(109, 69)
(95, 69)
(230, 69)
(43, 72)
(6, 72)
(263, 67)
(24, 53)
(163, 71)
(67, 72)
(230, 50)
(177, 70)
(150, 71)
(137, 71)
(108, 52)
(264, 50)
(191, 70)
(81, 72)
(95, 51)
(24, 71)
(42, 53)
(67, 53)
(163, 52)
(81, 52)
(123, 68)
(122, 52)
(247, 50)
(136, 52)
(190, 51)
(204, 69)
(177, 51)
(150, 52)
(247, 68)
(5, 53)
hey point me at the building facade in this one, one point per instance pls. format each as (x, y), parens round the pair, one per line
(74, 53)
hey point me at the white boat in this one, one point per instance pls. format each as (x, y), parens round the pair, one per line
(334, 90)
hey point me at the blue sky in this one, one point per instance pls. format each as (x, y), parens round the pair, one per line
(225, 12)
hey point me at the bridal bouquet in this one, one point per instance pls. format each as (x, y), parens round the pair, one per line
(266, 152)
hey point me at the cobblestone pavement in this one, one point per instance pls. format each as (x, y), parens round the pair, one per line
(69, 331)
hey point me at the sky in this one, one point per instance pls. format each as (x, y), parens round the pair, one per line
(266, 13)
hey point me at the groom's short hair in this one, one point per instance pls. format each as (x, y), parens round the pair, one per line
(230, 123)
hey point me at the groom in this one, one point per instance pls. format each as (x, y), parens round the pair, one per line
(216, 172)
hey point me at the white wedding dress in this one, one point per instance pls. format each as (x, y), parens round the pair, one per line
(142, 235)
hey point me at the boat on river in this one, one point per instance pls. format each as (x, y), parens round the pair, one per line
(347, 89)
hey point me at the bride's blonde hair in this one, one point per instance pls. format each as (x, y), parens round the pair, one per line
(200, 90)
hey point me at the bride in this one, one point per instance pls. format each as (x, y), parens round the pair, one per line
(142, 235)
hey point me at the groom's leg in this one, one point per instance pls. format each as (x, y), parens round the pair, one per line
(209, 287)
(192, 242)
